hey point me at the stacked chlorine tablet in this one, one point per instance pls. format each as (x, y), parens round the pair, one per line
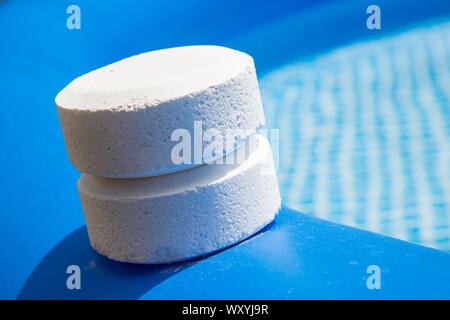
(123, 125)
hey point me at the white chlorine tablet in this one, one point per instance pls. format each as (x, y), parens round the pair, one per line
(119, 120)
(182, 215)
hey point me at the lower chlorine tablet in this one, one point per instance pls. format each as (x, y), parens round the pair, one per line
(183, 215)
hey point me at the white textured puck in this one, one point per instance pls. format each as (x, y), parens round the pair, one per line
(181, 215)
(118, 120)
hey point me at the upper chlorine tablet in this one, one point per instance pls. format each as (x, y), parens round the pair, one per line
(124, 120)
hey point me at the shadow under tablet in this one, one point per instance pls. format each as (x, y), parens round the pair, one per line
(101, 278)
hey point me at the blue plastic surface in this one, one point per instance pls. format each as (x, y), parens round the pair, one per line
(296, 257)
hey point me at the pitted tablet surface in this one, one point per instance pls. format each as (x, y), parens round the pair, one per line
(118, 120)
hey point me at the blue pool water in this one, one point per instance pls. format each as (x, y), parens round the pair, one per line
(365, 134)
